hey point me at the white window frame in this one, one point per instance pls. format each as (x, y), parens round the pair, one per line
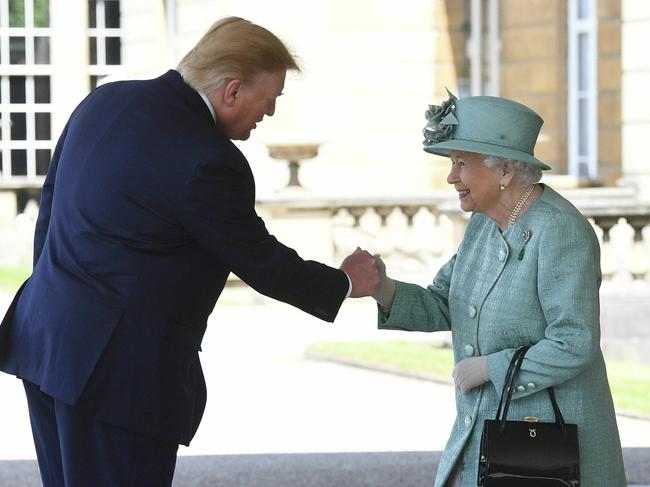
(582, 165)
(480, 44)
(30, 107)
(100, 32)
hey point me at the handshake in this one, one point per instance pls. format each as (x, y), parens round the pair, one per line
(368, 276)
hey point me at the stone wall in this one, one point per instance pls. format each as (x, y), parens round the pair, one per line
(636, 102)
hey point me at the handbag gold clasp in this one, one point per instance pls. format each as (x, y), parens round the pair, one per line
(531, 419)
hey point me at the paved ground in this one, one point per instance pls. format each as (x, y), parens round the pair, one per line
(265, 399)
(375, 469)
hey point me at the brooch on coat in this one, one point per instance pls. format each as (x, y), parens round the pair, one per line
(528, 233)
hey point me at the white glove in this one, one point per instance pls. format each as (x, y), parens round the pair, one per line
(386, 290)
(470, 373)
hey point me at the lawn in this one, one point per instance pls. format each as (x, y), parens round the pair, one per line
(418, 357)
(12, 277)
(630, 383)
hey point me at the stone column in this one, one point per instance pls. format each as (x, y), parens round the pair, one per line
(636, 103)
(70, 81)
(147, 47)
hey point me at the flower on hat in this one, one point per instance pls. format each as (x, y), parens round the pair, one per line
(442, 121)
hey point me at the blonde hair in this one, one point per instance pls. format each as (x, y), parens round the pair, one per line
(234, 48)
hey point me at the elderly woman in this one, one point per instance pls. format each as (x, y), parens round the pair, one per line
(526, 273)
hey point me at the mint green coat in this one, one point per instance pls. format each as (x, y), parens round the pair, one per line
(495, 297)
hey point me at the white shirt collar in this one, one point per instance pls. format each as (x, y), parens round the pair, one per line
(207, 102)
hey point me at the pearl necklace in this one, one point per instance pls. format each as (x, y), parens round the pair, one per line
(520, 204)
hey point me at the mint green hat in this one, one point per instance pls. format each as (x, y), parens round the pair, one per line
(484, 124)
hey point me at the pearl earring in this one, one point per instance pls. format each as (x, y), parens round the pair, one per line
(502, 187)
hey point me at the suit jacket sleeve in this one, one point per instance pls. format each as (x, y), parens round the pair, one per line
(45, 207)
(217, 208)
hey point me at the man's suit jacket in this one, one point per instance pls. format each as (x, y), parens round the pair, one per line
(145, 211)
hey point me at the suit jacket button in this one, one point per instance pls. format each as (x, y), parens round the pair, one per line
(469, 350)
(468, 420)
(521, 388)
(471, 311)
(502, 255)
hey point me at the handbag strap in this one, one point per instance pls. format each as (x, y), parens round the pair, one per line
(508, 387)
(508, 383)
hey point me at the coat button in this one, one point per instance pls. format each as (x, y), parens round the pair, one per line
(502, 255)
(468, 420)
(471, 311)
(521, 388)
(531, 385)
(469, 350)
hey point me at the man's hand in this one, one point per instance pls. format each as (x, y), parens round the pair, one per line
(470, 373)
(362, 270)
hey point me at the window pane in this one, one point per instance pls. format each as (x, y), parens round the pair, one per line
(18, 126)
(92, 11)
(113, 50)
(43, 157)
(583, 62)
(585, 8)
(112, 13)
(41, 13)
(16, 13)
(95, 81)
(583, 170)
(19, 162)
(17, 89)
(42, 89)
(42, 126)
(16, 50)
(42, 50)
(92, 48)
(583, 129)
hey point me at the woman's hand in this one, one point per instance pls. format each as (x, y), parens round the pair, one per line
(470, 373)
(386, 290)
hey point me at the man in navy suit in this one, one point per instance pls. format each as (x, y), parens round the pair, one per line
(146, 209)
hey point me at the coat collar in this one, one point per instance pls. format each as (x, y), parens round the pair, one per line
(188, 94)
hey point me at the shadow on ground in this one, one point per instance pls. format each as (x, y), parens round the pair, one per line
(385, 469)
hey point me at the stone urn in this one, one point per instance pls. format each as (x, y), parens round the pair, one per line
(293, 154)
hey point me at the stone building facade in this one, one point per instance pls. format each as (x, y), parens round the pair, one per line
(369, 70)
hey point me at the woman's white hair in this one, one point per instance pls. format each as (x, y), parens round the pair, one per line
(525, 173)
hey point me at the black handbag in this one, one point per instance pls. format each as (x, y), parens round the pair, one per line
(527, 453)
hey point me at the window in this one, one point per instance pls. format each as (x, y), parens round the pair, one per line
(25, 100)
(483, 50)
(582, 89)
(104, 39)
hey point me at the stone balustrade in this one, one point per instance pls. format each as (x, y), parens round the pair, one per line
(417, 234)
(414, 234)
